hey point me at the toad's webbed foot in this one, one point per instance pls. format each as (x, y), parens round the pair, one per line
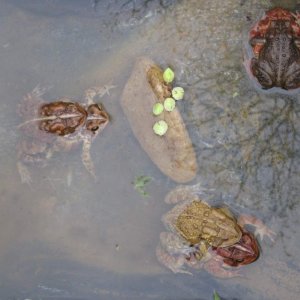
(92, 92)
(261, 229)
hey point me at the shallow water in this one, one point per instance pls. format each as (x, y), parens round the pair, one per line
(69, 237)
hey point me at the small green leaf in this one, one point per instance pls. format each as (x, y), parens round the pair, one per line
(157, 108)
(178, 93)
(235, 94)
(140, 183)
(160, 127)
(168, 75)
(143, 192)
(216, 296)
(169, 104)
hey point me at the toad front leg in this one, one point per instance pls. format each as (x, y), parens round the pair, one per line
(174, 253)
(92, 92)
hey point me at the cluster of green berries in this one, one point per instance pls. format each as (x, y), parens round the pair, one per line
(161, 127)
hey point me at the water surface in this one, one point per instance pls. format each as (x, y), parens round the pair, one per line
(69, 237)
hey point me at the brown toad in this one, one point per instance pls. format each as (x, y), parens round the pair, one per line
(275, 41)
(58, 126)
(201, 236)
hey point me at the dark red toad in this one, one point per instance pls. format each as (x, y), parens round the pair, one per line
(275, 42)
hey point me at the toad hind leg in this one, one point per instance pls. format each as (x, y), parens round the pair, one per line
(174, 263)
(263, 71)
(292, 76)
(214, 267)
(86, 157)
(261, 229)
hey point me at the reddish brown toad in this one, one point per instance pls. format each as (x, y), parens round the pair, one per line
(58, 126)
(275, 42)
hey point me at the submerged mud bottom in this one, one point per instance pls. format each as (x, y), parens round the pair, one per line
(71, 283)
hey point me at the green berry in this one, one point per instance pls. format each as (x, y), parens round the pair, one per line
(169, 104)
(160, 127)
(157, 109)
(178, 93)
(168, 75)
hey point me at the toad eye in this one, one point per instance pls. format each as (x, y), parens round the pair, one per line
(95, 128)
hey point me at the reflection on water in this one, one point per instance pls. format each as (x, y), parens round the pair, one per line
(68, 236)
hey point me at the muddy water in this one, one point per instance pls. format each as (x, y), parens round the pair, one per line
(67, 236)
